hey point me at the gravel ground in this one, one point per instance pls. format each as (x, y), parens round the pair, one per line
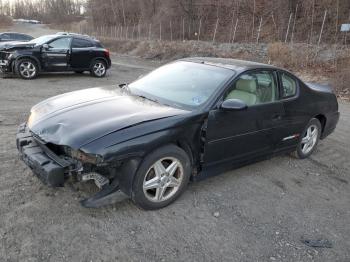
(260, 212)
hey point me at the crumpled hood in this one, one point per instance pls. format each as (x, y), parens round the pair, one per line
(77, 118)
(15, 45)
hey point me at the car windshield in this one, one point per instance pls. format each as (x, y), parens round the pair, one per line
(42, 39)
(181, 84)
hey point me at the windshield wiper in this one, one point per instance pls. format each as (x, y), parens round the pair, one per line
(126, 87)
(150, 99)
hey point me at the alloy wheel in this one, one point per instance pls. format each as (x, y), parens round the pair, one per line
(27, 69)
(163, 179)
(99, 69)
(309, 140)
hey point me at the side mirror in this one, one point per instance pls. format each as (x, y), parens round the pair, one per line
(233, 105)
(46, 46)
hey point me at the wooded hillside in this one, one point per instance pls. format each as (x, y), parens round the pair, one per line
(209, 20)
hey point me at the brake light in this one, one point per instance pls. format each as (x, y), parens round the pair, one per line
(107, 52)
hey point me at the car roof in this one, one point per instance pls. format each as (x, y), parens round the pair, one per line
(14, 33)
(64, 34)
(228, 63)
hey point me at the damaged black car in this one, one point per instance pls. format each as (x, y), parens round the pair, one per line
(186, 120)
(62, 52)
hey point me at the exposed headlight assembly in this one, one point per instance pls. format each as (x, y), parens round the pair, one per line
(86, 158)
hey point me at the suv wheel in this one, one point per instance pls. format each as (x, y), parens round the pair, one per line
(161, 178)
(27, 69)
(98, 68)
(309, 139)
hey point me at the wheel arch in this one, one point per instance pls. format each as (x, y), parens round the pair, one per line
(99, 58)
(36, 60)
(323, 120)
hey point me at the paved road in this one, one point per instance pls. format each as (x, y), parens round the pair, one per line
(262, 211)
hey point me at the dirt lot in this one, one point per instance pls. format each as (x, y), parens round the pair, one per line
(256, 213)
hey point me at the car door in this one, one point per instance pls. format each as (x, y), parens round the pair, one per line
(56, 54)
(295, 117)
(82, 52)
(236, 135)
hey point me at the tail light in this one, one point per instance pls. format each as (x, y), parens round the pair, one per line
(107, 53)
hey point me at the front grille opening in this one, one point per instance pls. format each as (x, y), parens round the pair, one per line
(57, 149)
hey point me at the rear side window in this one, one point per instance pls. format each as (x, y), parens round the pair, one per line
(81, 43)
(289, 85)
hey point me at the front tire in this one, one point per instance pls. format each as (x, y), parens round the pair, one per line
(161, 178)
(27, 69)
(309, 139)
(98, 68)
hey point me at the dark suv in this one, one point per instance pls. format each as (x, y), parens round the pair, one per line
(55, 53)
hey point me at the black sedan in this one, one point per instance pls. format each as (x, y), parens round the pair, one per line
(55, 53)
(12, 36)
(189, 119)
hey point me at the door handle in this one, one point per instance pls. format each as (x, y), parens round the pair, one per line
(276, 117)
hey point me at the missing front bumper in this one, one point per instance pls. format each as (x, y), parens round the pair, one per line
(53, 170)
(44, 164)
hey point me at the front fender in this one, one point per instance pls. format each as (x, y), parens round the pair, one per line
(23, 56)
(132, 152)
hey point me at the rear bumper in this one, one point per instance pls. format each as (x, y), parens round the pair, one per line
(331, 124)
(47, 166)
(109, 63)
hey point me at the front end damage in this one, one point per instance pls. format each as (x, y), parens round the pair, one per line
(6, 62)
(54, 165)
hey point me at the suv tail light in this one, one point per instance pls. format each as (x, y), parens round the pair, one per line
(107, 53)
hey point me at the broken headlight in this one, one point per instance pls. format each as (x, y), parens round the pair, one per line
(86, 158)
(31, 119)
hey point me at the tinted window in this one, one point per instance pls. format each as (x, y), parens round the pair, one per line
(26, 37)
(21, 37)
(81, 43)
(14, 36)
(5, 37)
(289, 85)
(255, 88)
(62, 43)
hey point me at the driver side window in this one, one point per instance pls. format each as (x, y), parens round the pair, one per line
(255, 88)
(62, 43)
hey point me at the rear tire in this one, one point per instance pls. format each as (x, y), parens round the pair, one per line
(161, 178)
(27, 69)
(309, 139)
(98, 68)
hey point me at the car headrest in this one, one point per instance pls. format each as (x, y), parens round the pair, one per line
(246, 85)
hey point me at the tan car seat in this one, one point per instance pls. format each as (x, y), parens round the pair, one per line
(245, 90)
